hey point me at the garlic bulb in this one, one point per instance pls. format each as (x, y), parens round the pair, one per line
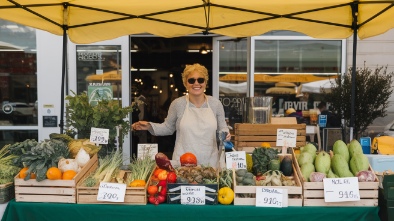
(82, 157)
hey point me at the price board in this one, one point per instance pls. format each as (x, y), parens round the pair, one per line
(193, 195)
(341, 189)
(271, 197)
(111, 192)
(147, 149)
(286, 137)
(236, 158)
(99, 135)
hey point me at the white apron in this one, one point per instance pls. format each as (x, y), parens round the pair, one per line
(197, 134)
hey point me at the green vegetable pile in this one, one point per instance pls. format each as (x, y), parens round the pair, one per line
(261, 158)
(44, 155)
(20, 148)
(7, 170)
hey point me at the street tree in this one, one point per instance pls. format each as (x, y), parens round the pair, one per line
(373, 90)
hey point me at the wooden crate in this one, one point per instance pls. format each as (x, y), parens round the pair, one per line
(313, 193)
(174, 193)
(294, 192)
(133, 195)
(249, 136)
(7, 192)
(59, 191)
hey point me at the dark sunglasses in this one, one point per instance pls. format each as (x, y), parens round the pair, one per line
(193, 80)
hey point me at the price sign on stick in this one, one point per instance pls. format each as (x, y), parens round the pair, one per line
(237, 158)
(341, 189)
(271, 197)
(111, 192)
(193, 195)
(147, 149)
(99, 135)
(286, 137)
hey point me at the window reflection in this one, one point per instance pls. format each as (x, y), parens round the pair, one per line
(99, 65)
(18, 75)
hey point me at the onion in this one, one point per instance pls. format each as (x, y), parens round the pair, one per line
(163, 162)
(365, 176)
(317, 177)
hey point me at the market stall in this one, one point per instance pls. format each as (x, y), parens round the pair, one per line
(57, 211)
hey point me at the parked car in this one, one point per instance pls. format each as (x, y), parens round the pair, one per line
(17, 113)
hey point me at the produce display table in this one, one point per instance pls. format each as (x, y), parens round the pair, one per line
(169, 212)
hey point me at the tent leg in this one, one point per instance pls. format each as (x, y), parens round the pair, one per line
(353, 90)
(64, 70)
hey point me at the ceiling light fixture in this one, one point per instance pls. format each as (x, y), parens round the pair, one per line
(203, 50)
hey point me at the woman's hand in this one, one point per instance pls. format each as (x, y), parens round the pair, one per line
(141, 125)
(228, 137)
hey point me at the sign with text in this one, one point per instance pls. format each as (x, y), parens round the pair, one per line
(98, 92)
(271, 197)
(322, 120)
(236, 158)
(286, 137)
(111, 192)
(341, 189)
(145, 149)
(99, 135)
(193, 195)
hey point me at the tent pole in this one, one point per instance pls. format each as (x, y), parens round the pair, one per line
(64, 58)
(353, 91)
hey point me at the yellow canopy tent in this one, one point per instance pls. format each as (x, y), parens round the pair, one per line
(86, 21)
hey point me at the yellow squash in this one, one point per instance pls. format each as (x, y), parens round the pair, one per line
(225, 195)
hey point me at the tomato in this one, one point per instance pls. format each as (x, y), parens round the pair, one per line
(171, 177)
(157, 171)
(162, 175)
(152, 190)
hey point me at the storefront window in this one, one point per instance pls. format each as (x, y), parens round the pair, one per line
(281, 66)
(18, 75)
(99, 70)
(232, 77)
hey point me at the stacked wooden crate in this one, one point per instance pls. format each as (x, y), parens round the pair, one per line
(313, 192)
(249, 136)
(60, 191)
(133, 195)
(246, 195)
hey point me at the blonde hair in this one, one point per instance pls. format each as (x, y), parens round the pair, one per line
(192, 68)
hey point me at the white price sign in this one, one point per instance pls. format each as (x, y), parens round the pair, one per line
(236, 158)
(111, 192)
(341, 189)
(99, 135)
(147, 149)
(271, 197)
(286, 137)
(193, 195)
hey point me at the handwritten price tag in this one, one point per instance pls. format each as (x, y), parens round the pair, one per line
(111, 192)
(147, 149)
(341, 189)
(271, 197)
(237, 158)
(99, 135)
(286, 137)
(193, 195)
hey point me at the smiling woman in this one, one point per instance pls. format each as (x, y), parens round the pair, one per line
(196, 117)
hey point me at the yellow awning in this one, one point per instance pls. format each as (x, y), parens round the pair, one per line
(89, 21)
